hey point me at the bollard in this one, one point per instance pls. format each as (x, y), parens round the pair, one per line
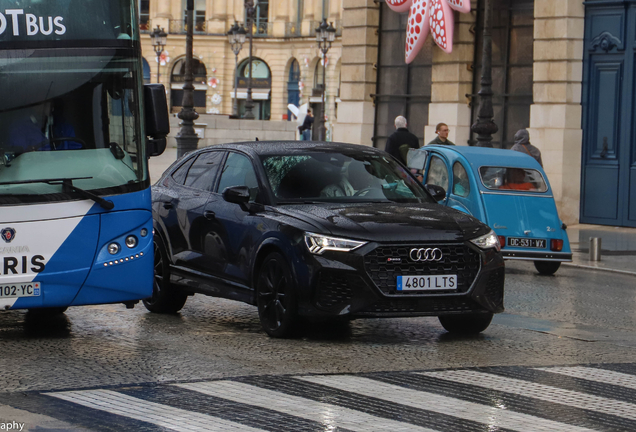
(595, 248)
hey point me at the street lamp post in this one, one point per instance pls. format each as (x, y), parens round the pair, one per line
(485, 127)
(325, 35)
(250, 10)
(187, 139)
(236, 37)
(159, 39)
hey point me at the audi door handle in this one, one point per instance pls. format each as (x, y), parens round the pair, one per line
(209, 215)
(167, 205)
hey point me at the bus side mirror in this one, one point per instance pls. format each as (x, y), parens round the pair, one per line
(157, 119)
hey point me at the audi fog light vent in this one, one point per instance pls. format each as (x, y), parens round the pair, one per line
(318, 244)
(488, 241)
(131, 241)
(114, 248)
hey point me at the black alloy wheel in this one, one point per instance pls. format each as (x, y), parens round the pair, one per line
(165, 297)
(547, 268)
(276, 297)
(466, 324)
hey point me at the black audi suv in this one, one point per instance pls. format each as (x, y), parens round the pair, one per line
(307, 230)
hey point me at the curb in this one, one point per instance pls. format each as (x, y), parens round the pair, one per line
(588, 267)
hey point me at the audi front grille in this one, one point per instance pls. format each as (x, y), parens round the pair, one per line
(385, 263)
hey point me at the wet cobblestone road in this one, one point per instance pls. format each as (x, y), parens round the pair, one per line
(211, 367)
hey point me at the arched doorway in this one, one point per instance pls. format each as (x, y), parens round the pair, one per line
(293, 86)
(261, 88)
(177, 80)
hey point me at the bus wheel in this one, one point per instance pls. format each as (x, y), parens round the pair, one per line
(547, 268)
(47, 312)
(165, 297)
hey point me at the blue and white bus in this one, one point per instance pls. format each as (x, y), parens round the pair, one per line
(75, 122)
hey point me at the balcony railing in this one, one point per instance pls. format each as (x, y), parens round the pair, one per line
(263, 29)
(292, 29)
(179, 27)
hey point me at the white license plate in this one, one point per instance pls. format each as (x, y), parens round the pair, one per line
(17, 290)
(527, 243)
(427, 283)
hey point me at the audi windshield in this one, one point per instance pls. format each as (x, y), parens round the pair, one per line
(341, 177)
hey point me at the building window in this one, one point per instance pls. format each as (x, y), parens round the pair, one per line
(512, 62)
(199, 15)
(261, 25)
(293, 87)
(401, 89)
(261, 88)
(144, 15)
(177, 79)
(325, 8)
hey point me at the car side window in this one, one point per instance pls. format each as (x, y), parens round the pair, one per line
(437, 173)
(179, 175)
(239, 171)
(203, 172)
(461, 184)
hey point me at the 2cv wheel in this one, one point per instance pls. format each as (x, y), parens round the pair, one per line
(467, 324)
(547, 268)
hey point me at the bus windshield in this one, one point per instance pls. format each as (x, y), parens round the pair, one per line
(69, 113)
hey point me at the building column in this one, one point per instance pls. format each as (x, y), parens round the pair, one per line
(217, 16)
(163, 16)
(555, 116)
(452, 80)
(356, 113)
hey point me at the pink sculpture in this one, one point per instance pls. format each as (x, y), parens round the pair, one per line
(435, 16)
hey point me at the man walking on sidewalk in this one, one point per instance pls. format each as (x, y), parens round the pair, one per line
(400, 141)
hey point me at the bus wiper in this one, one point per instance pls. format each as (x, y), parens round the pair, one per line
(68, 188)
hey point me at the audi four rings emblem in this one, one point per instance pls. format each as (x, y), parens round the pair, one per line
(426, 255)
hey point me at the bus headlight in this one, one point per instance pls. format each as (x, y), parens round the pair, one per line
(114, 248)
(131, 241)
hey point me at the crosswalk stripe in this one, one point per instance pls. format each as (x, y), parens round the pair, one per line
(331, 416)
(150, 412)
(539, 391)
(489, 415)
(598, 375)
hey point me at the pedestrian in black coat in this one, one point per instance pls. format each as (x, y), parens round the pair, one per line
(400, 141)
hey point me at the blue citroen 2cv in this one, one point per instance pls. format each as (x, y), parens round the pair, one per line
(506, 190)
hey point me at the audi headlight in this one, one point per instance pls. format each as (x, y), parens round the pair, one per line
(488, 241)
(318, 244)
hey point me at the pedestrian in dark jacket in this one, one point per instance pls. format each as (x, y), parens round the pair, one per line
(400, 141)
(305, 129)
(522, 144)
(442, 135)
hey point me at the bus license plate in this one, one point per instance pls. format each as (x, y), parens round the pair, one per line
(427, 283)
(527, 243)
(17, 290)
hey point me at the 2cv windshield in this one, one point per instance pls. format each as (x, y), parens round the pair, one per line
(512, 179)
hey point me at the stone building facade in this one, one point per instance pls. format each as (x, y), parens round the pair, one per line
(287, 63)
(561, 69)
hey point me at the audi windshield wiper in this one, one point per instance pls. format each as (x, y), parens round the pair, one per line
(68, 187)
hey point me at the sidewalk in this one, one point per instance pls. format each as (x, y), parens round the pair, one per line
(618, 248)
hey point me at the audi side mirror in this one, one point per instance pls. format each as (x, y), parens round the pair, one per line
(237, 195)
(437, 192)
